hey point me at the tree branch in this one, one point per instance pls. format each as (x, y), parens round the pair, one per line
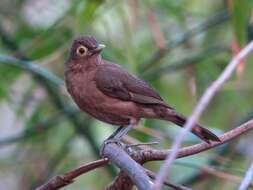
(246, 182)
(60, 181)
(122, 182)
(203, 102)
(127, 164)
(32, 68)
(144, 156)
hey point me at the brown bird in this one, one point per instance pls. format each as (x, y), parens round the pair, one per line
(109, 93)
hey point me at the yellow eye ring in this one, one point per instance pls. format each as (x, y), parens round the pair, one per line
(81, 50)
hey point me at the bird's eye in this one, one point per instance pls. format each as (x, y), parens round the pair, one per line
(81, 50)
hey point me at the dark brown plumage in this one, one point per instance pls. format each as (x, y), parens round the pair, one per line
(109, 93)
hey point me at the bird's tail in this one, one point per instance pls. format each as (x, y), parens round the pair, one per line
(197, 130)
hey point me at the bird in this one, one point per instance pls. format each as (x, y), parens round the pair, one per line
(109, 93)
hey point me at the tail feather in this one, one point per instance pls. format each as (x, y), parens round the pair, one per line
(204, 134)
(201, 132)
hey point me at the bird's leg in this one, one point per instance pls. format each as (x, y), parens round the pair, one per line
(122, 131)
(117, 135)
(112, 136)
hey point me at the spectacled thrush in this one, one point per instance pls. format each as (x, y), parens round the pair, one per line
(109, 93)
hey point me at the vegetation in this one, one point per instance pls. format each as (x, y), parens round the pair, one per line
(178, 46)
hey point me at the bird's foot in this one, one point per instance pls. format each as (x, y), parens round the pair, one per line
(108, 141)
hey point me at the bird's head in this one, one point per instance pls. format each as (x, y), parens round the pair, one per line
(85, 47)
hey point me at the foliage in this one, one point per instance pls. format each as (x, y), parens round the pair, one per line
(47, 132)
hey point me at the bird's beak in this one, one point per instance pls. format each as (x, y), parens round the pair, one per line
(98, 49)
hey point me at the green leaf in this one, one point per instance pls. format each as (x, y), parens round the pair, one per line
(8, 74)
(85, 12)
(241, 10)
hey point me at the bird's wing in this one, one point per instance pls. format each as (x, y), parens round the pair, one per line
(116, 82)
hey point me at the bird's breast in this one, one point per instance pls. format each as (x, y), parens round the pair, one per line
(81, 88)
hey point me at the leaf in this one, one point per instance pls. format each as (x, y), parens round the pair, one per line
(85, 12)
(8, 75)
(241, 10)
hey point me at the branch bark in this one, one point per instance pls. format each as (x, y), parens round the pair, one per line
(127, 164)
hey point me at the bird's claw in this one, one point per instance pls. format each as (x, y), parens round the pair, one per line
(109, 141)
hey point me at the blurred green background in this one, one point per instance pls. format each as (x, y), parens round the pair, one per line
(178, 46)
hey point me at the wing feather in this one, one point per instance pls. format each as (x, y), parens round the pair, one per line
(116, 82)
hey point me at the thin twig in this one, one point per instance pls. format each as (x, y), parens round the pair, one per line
(153, 154)
(60, 181)
(247, 180)
(205, 99)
